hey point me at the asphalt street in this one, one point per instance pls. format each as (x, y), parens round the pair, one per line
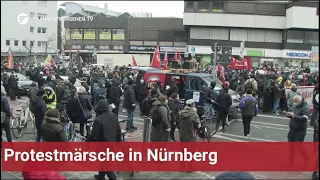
(264, 128)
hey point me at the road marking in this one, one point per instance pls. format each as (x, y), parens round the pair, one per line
(256, 122)
(276, 117)
(231, 139)
(269, 127)
(242, 137)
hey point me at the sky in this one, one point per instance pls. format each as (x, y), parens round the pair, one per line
(157, 8)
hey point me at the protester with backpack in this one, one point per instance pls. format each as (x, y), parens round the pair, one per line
(160, 120)
(267, 90)
(39, 110)
(148, 101)
(251, 83)
(115, 94)
(63, 93)
(129, 103)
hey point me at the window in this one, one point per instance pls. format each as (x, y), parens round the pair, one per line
(203, 5)
(16, 43)
(8, 42)
(196, 84)
(31, 43)
(24, 43)
(190, 4)
(217, 6)
(42, 30)
(118, 34)
(41, 43)
(31, 29)
(32, 14)
(41, 16)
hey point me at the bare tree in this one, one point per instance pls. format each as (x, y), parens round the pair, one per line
(48, 43)
(29, 48)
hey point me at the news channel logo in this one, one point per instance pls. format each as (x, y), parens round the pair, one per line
(22, 18)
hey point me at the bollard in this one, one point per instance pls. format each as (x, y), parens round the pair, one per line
(144, 133)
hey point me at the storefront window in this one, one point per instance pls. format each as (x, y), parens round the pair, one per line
(89, 34)
(217, 6)
(76, 33)
(118, 34)
(105, 34)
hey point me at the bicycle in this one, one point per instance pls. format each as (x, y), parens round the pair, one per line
(203, 132)
(21, 119)
(77, 137)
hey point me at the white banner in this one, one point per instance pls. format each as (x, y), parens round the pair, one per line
(307, 94)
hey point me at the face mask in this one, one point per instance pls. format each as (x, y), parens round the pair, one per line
(103, 85)
(130, 77)
(194, 109)
(295, 104)
(141, 81)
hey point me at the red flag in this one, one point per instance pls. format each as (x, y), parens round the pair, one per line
(156, 63)
(10, 60)
(165, 61)
(222, 74)
(134, 62)
(179, 56)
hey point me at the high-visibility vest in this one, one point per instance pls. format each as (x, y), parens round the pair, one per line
(54, 103)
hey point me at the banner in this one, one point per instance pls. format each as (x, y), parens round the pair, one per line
(307, 94)
(315, 54)
(76, 33)
(89, 34)
(240, 64)
(175, 156)
(118, 34)
(105, 34)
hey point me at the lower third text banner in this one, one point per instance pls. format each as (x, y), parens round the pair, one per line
(172, 156)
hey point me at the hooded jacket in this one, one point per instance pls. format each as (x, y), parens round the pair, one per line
(52, 130)
(291, 93)
(115, 92)
(159, 131)
(189, 122)
(106, 127)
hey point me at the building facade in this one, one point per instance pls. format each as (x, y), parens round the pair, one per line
(30, 33)
(275, 33)
(124, 34)
(86, 10)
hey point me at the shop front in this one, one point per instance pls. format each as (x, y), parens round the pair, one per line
(296, 58)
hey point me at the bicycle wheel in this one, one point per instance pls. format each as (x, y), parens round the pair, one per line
(70, 131)
(216, 126)
(17, 129)
(206, 134)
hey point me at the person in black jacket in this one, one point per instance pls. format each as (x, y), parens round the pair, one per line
(115, 94)
(173, 88)
(148, 101)
(105, 128)
(225, 101)
(79, 108)
(143, 91)
(315, 112)
(209, 99)
(129, 101)
(5, 107)
(39, 109)
(174, 107)
(299, 114)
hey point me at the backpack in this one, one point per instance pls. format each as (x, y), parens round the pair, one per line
(156, 120)
(99, 91)
(67, 92)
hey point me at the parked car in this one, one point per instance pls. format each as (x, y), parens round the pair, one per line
(193, 86)
(24, 83)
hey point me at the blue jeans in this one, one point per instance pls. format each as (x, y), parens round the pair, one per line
(276, 104)
(130, 118)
